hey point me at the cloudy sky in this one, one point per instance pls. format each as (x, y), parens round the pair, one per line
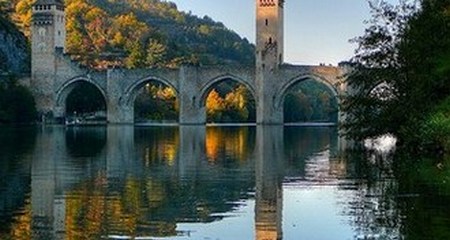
(316, 31)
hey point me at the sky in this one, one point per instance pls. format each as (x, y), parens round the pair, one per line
(316, 31)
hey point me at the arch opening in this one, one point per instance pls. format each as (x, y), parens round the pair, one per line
(310, 101)
(229, 101)
(155, 102)
(83, 102)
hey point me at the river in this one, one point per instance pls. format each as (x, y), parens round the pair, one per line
(210, 183)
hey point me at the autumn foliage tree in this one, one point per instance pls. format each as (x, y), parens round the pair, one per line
(230, 102)
(156, 102)
(141, 33)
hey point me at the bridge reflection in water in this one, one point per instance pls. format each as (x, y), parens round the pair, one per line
(125, 181)
(269, 177)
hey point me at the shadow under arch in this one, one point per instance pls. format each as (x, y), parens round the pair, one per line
(64, 91)
(281, 94)
(315, 86)
(206, 89)
(85, 141)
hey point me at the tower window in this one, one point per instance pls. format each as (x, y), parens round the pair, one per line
(270, 40)
(267, 22)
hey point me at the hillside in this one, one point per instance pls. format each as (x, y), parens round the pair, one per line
(142, 33)
(14, 54)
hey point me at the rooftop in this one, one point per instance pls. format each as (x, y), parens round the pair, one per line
(49, 2)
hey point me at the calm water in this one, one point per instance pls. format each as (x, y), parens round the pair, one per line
(209, 183)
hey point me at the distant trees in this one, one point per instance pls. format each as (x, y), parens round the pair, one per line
(22, 15)
(233, 102)
(141, 33)
(4, 7)
(310, 101)
(156, 102)
(230, 102)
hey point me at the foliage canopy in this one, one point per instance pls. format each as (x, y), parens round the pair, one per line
(400, 70)
(142, 33)
(16, 103)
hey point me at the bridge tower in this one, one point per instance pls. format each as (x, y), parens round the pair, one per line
(48, 36)
(269, 57)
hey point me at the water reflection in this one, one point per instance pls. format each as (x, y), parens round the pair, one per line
(269, 177)
(117, 181)
(15, 165)
(207, 182)
(235, 142)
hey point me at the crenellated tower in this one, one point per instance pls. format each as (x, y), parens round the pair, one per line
(269, 57)
(48, 37)
(269, 33)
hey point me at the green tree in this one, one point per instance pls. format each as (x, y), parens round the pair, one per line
(4, 8)
(376, 62)
(156, 102)
(136, 57)
(16, 103)
(310, 101)
(236, 103)
(403, 50)
(156, 53)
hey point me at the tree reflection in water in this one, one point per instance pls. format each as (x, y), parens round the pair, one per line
(161, 182)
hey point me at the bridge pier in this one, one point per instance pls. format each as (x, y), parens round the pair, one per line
(267, 111)
(54, 74)
(47, 202)
(191, 110)
(192, 149)
(118, 110)
(268, 174)
(59, 112)
(118, 114)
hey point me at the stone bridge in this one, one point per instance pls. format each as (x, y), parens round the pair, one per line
(55, 75)
(192, 84)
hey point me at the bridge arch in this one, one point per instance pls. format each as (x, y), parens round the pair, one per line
(65, 89)
(239, 108)
(206, 88)
(132, 91)
(291, 115)
(281, 94)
